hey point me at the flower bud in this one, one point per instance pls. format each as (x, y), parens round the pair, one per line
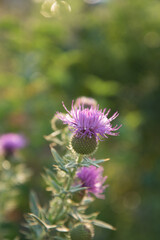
(85, 145)
(86, 102)
(57, 124)
(78, 196)
(82, 231)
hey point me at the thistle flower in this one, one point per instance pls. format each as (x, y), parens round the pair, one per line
(86, 102)
(87, 125)
(92, 178)
(89, 122)
(10, 142)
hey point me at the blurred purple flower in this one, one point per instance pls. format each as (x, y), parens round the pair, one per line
(92, 178)
(9, 142)
(89, 121)
(86, 101)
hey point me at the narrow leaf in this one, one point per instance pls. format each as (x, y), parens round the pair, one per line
(77, 188)
(53, 176)
(102, 224)
(101, 160)
(43, 224)
(91, 162)
(90, 216)
(62, 229)
(58, 160)
(34, 203)
(51, 183)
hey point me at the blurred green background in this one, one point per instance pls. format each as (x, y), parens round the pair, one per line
(111, 52)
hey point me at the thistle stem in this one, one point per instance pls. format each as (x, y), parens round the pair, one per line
(69, 183)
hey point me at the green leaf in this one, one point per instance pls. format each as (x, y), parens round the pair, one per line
(53, 176)
(91, 216)
(101, 160)
(88, 200)
(51, 183)
(74, 213)
(57, 157)
(77, 188)
(34, 203)
(47, 226)
(71, 165)
(51, 180)
(88, 162)
(42, 223)
(62, 229)
(102, 224)
(60, 162)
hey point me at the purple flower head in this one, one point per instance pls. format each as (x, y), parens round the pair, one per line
(87, 102)
(89, 121)
(9, 142)
(92, 178)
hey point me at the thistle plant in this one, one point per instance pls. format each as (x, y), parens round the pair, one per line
(13, 175)
(76, 179)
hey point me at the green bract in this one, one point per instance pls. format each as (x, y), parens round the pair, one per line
(84, 145)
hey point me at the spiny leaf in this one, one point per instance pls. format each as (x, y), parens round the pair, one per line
(34, 203)
(62, 229)
(53, 176)
(101, 160)
(47, 226)
(102, 224)
(89, 162)
(51, 180)
(71, 165)
(90, 216)
(77, 188)
(59, 160)
(42, 223)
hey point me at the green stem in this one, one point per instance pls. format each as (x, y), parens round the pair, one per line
(69, 183)
(73, 174)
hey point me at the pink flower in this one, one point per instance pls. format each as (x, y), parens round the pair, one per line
(92, 178)
(89, 121)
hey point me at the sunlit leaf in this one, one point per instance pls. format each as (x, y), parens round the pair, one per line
(42, 223)
(102, 224)
(62, 229)
(90, 216)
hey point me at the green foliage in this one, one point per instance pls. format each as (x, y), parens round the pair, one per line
(63, 213)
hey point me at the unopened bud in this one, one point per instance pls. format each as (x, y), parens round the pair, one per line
(85, 102)
(57, 124)
(78, 196)
(82, 231)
